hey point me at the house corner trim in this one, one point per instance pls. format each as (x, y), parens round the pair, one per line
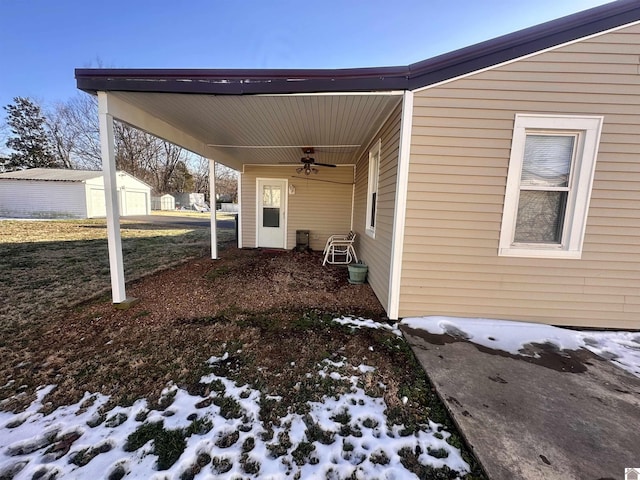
(400, 209)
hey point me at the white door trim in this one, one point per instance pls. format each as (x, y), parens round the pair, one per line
(284, 206)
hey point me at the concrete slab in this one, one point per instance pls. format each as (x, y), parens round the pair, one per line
(564, 415)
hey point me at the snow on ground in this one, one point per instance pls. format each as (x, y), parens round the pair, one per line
(621, 348)
(221, 436)
(367, 323)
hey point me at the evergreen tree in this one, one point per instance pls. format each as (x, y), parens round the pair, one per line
(29, 140)
(182, 179)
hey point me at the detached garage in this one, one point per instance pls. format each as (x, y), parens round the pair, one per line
(61, 193)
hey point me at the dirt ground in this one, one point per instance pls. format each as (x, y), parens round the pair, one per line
(184, 315)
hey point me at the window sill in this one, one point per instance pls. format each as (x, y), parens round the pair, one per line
(539, 253)
(370, 232)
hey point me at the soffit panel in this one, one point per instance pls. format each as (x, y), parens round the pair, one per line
(231, 124)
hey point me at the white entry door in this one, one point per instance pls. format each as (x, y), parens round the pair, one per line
(272, 216)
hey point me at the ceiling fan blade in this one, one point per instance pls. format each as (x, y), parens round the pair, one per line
(324, 164)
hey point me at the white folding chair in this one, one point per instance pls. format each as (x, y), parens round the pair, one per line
(340, 246)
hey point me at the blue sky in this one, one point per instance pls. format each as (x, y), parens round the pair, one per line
(43, 41)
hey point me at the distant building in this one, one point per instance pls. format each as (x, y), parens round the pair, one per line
(191, 201)
(163, 202)
(63, 193)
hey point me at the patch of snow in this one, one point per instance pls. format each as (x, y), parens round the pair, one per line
(622, 348)
(213, 360)
(362, 368)
(354, 426)
(333, 364)
(368, 323)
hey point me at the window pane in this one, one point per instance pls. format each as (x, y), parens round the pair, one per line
(540, 217)
(270, 196)
(547, 160)
(372, 222)
(271, 217)
(266, 195)
(275, 196)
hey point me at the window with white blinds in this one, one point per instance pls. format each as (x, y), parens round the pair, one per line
(372, 189)
(549, 185)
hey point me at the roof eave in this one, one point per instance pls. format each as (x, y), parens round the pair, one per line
(523, 42)
(243, 82)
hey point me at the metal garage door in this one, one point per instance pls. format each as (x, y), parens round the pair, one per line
(136, 203)
(97, 206)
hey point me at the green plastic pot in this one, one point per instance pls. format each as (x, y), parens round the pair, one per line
(358, 273)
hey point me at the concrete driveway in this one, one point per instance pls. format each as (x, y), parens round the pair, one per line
(563, 415)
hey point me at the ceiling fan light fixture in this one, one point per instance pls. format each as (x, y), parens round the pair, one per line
(309, 163)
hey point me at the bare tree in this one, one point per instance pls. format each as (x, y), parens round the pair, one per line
(62, 138)
(226, 180)
(163, 167)
(73, 126)
(200, 168)
(135, 150)
(226, 183)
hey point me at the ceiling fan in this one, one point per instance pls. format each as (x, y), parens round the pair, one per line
(309, 163)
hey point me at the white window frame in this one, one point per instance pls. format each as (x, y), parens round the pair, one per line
(587, 129)
(372, 189)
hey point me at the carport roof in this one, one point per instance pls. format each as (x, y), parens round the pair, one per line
(411, 77)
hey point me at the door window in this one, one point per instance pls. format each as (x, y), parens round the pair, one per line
(271, 195)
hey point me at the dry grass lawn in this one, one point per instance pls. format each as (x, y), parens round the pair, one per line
(49, 265)
(188, 213)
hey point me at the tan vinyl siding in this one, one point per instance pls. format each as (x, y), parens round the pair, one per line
(459, 159)
(376, 252)
(321, 203)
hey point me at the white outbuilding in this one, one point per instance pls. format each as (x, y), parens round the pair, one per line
(63, 193)
(163, 202)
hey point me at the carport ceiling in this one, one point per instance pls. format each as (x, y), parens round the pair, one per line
(271, 129)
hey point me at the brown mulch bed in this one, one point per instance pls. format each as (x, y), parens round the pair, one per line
(265, 302)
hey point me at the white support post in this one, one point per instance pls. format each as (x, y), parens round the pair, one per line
(212, 205)
(116, 264)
